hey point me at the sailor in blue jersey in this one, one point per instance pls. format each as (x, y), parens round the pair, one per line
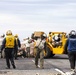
(70, 46)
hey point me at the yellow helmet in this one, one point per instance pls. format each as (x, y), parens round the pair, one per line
(16, 35)
(9, 32)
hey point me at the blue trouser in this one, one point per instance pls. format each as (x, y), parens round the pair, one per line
(9, 55)
(72, 58)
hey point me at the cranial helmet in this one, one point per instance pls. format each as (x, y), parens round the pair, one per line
(9, 32)
(43, 36)
(3, 35)
(73, 32)
(16, 35)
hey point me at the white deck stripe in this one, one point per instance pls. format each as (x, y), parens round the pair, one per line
(34, 62)
(63, 73)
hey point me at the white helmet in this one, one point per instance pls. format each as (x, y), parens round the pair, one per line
(73, 32)
(44, 35)
(3, 35)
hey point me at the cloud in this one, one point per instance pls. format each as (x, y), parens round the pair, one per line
(26, 16)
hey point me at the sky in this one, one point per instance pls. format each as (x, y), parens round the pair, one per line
(23, 17)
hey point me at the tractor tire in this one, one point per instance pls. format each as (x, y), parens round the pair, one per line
(49, 53)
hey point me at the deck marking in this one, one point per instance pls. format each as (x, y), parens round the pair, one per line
(63, 73)
(34, 62)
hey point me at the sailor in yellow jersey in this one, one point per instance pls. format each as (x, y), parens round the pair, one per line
(18, 43)
(9, 43)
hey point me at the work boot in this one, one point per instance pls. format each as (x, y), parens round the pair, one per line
(42, 67)
(14, 66)
(7, 67)
(73, 70)
(36, 66)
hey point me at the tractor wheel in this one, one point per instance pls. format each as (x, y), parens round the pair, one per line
(52, 54)
(49, 53)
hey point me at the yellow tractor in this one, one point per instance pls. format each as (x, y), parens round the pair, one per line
(54, 43)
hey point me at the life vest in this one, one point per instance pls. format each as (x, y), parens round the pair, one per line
(10, 41)
(72, 44)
